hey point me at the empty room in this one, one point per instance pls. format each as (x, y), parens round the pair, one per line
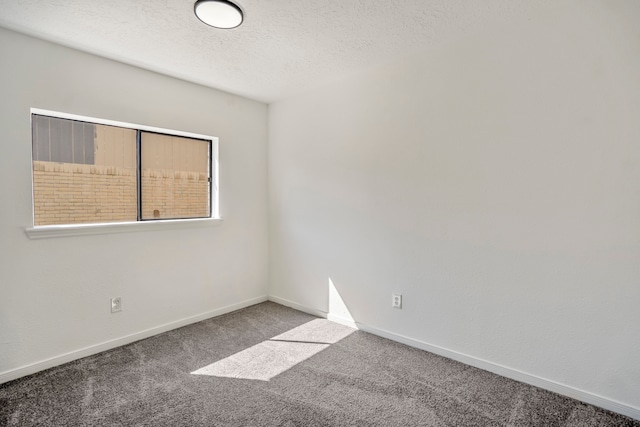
(334, 213)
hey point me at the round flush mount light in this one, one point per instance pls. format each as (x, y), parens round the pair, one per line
(219, 13)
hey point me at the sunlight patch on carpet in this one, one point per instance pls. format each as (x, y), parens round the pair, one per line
(274, 356)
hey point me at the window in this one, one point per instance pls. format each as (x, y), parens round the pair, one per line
(95, 171)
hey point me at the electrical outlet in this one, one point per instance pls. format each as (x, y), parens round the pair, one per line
(116, 304)
(396, 301)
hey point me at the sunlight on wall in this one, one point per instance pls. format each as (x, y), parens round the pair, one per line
(280, 353)
(338, 310)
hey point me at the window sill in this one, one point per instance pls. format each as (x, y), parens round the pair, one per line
(49, 231)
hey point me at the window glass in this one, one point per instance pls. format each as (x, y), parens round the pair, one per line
(175, 177)
(82, 172)
(95, 173)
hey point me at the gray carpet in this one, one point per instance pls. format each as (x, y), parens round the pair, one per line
(268, 365)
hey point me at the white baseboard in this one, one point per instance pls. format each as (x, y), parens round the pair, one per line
(299, 307)
(514, 374)
(313, 311)
(108, 345)
(504, 371)
(342, 320)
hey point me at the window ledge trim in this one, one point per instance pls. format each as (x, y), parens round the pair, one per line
(52, 231)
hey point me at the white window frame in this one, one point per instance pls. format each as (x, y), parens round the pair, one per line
(47, 231)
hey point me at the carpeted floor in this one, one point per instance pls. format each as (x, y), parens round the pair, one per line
(269, 365)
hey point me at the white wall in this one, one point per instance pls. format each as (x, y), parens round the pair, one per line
(494, 182)
(54, 293)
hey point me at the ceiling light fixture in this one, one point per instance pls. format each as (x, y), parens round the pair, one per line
(219, 13)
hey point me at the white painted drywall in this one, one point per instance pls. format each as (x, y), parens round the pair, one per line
(494, 182)
(54, 293)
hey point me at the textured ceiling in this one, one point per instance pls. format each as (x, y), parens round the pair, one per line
(283, 47)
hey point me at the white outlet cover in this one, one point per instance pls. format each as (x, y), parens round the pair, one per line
(396, 301)
(116, 305)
